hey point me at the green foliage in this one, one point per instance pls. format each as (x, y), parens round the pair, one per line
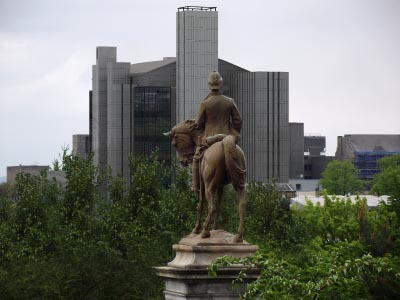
(340, 250)
(74, 243)
(269, 219)
(339, 271)
(334, 221)
(387, 182)
(82, 186)
(340, 178)
(56, 165)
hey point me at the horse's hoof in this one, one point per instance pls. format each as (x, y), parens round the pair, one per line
(238, 239)
(196, 231)
(205, 234)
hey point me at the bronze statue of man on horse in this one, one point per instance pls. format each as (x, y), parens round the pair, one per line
(210, 144)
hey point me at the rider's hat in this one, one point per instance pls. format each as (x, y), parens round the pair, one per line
(214, 81)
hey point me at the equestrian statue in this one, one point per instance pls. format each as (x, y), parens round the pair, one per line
(209, 143)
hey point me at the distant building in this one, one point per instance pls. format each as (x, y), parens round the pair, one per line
(296, 150)
(315, 160)
(13, 171)
(35, 170)
(372, 201)
(305, 186)
(317, 165)
(364, 150)
(314, 145)
(81, 144)
(131, 105)
(307, 160)
(263, 101)
(307, 155)
(196, 57)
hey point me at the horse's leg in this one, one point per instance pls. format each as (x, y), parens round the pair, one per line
(211, 210)
(242, 204)
(220, 191)
(197, 228)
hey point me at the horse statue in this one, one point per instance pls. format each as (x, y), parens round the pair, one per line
(222, 163)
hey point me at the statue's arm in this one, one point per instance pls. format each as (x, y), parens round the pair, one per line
(201, 116)
(236, 118)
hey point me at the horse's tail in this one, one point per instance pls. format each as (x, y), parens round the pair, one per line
(235, 162)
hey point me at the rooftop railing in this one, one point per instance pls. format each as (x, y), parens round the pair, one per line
(197, 8)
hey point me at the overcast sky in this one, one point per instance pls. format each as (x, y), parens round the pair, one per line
(343, 59)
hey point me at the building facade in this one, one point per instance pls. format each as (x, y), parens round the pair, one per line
(296, 150)
(131, 105)
(364, 150)
(307, 155)
(196, 56)
(315, 160)
(81, 144)
(263, 100)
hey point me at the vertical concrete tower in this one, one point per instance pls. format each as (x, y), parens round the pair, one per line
(104, 55)
(263, 101)
(118, 117)
(110, 111)
(197, 56)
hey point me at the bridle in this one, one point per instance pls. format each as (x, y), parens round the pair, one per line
(186, 151)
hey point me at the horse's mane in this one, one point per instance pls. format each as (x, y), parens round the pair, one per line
(186, 126)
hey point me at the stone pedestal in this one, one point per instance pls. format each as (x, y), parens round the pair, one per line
(186, 277)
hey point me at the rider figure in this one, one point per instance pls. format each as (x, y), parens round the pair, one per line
(217, 114)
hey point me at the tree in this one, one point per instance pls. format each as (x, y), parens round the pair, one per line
(56, 165)
(71, 242)
(346, 252)
(340, 178)
(387, 182)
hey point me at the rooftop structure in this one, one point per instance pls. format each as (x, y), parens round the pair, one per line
(197, 8)
(314, 145)
(145, 67)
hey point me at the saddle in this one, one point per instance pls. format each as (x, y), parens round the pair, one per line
(208, 141)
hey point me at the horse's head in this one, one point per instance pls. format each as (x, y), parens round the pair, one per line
(183, 138)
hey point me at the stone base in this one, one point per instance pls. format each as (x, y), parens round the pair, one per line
(186, 277)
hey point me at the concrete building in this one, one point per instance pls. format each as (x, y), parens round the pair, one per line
(317, 165)
(81, 144)
(364, 150)
(35, 170)
(305, 186)
(132, 104)
(315, 160)
(196, 56)
(99, 102)
(130, 107)
(314, 145)
(296, 150)
(12, 171)
(372, 201)
(263, 100)
(307, 154)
